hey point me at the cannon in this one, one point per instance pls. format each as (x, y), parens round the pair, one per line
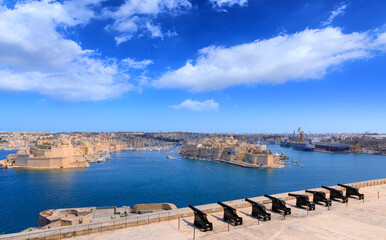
(259, 210)
(278, 205)
(303, 200)
(334, 193)
(352, 191)
(230, 214)
(201, 220)
(320, 197)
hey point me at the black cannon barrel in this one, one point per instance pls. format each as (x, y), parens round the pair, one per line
(319, 193)
(299, 196)
(313, 192)
(331, 189)
(255, 203)
(251, 201)
(295, 195)
(346, 186)
(269, 196)
(196, 210)
(343, 185)
(274, 199)
(226, 206)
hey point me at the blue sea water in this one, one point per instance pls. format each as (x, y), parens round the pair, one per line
(127, 179)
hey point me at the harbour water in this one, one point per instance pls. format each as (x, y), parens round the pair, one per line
(149, 177)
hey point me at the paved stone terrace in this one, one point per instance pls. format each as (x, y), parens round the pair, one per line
(358, 220)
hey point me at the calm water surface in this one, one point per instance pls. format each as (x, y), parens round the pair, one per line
(128, 179)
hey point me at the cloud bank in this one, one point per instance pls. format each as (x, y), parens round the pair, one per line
(35, 55)
(304, 55)
(193, 105)
(136, 17)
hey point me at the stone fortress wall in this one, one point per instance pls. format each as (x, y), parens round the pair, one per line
(231, 150)
(51, 154)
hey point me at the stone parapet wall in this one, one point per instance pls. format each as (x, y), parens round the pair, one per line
(153, 206)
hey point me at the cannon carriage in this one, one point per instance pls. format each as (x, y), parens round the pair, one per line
(259, 210)
(336, 194)
(201, 220)
(230, 214)
(352, 191)
(279, 205)
(319, 196)
(303, 200)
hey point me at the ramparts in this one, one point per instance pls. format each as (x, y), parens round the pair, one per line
(144, 219)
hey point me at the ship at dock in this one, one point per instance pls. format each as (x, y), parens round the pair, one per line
(332, 147)
(301, 144)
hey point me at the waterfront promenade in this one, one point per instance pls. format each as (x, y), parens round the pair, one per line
(358, 220)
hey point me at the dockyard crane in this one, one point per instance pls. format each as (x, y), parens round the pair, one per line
(301, 133)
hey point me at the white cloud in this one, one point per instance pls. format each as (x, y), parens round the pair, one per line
(227, 3)
(154, 30)
(339, 11)
(80, 11)
(122, 38)
(193, 105)
(304, 55)
(135, 16)
(380, 42)
(137, 64)
(35, 57)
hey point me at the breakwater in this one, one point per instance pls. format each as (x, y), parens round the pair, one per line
(145, 219)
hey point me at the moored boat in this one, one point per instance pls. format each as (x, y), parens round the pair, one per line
(332, 146)
(302, 146)
(285, 143)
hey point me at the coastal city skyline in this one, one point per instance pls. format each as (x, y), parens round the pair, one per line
(198, 66)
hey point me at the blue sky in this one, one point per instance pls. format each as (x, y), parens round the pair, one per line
(185, 65)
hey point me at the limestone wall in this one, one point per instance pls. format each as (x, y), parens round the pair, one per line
(264, 159)
(153, 206)
(64, 217)
(61, 156)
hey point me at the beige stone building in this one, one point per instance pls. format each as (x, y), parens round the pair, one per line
(263, 159)
(60, 154)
